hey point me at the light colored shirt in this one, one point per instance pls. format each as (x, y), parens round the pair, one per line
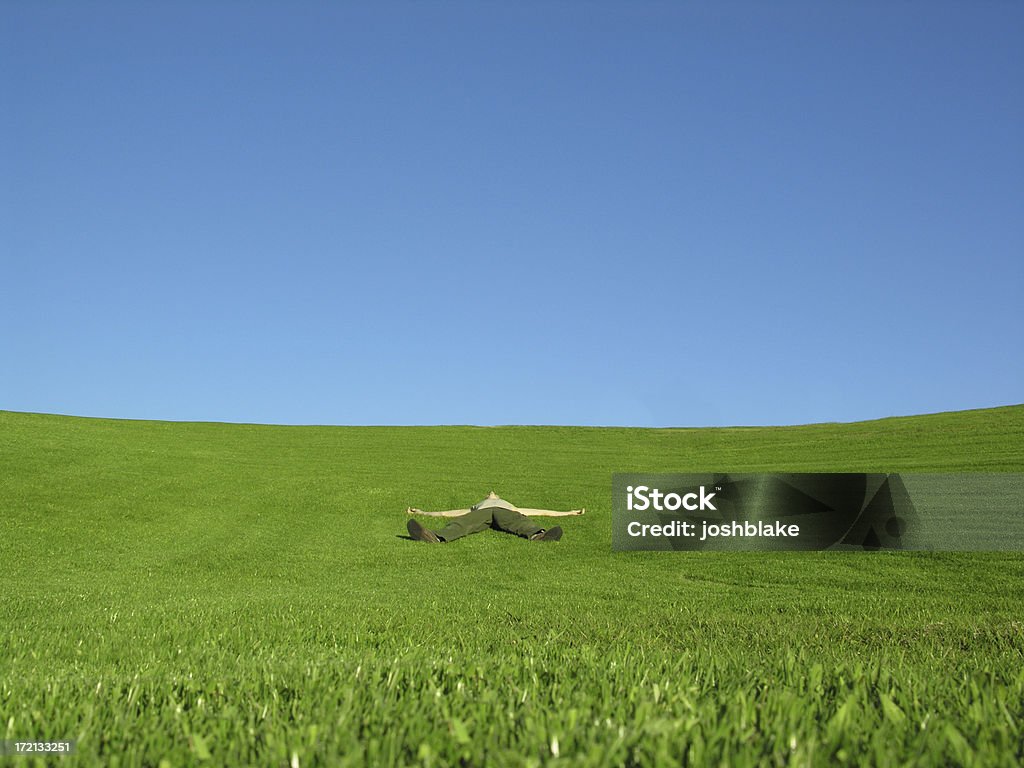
(492, 502)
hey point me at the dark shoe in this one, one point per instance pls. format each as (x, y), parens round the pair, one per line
(551, 534)
(420, 533)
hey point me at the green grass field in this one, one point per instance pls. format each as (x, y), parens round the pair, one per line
(179, 593)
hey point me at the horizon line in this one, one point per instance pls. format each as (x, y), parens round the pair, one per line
(503, 426)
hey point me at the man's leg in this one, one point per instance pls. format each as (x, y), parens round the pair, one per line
(463, 525)
(513, 522)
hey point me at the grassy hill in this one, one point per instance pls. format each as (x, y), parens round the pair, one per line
(243, 594)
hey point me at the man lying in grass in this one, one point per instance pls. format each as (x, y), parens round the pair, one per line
(492, 512)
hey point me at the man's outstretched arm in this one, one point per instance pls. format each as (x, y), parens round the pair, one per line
(550, 512)
(443, 513)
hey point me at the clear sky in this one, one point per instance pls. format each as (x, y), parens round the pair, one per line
(648, 214)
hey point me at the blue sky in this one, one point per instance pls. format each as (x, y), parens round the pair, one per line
(648, 214)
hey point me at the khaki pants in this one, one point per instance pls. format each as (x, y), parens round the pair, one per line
(492, 517)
